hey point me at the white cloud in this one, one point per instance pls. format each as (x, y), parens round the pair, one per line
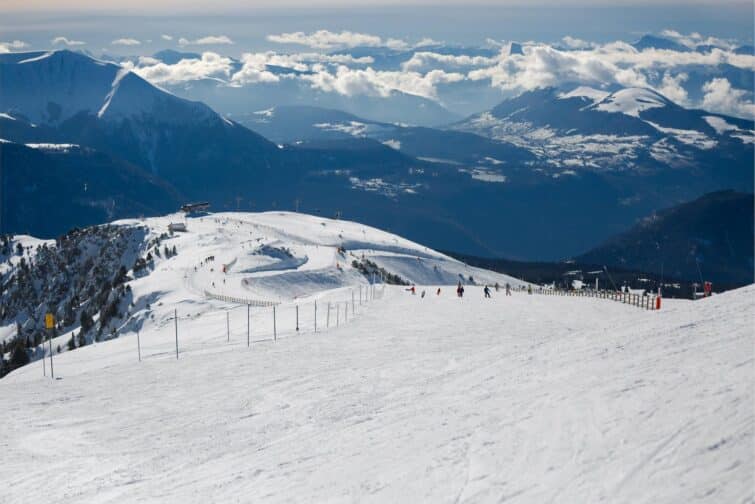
(671, 87)
(721, 97)
(325, 39)
(208, 40)
(425, 61)
(425, 42)
(126, 42)
(543, 66)
(613, 63)
(210, 65)
(254, 70)
(694, 39)
(66, 41)
(576, 43)
(427, 73)
(351, 82)
(6, 47)
(166, 37)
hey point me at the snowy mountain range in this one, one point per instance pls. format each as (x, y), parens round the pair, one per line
(516, 170)
(628, 129)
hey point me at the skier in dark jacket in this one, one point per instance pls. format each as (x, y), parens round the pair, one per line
(487, 291)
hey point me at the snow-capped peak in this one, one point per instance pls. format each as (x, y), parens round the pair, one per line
(51, 87)
(631, 101)
(595, 95)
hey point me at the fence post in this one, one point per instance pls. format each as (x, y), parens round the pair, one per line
(49, 338)
(338, 314)
(360, 295)
(138, 345)
(352, 302)
(228, 326)
(327, 318)
(248, 325)
(175, 319)
(297, 318)
(275, 327)
(346, 312)
(315, 315)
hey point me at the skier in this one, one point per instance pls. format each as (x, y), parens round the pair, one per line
(529, 288)
(438, 293)
(460, 290)
(487, 291)
(508, 289)
(423, 294)
(497, 286)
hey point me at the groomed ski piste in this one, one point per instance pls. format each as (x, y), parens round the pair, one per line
(394, 397)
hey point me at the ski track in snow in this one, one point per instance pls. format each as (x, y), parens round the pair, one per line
(516, 399)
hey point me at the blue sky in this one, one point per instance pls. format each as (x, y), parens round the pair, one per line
(451, 24)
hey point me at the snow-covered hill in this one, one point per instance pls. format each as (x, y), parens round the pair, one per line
(135, 273)
(435, 399)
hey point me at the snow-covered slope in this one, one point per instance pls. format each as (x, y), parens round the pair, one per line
(631, 101)
(263, 259)
(282, 256)
(436, 399)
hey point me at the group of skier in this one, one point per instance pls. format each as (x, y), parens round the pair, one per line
(460, 290)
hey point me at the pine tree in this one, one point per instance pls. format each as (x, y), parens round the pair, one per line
(86, 321)
(72, 342)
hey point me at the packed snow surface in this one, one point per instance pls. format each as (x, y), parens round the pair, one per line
(522, 398)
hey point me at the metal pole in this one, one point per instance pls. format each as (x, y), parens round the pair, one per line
(175, 318)
(275, 328)
(248, 328)
(138, 345)
(352, 302)
(297, 318)
(52, 372)
(338, 314)
(315, 315)
(44, 365)
(360, 295)
(346, 312)
(228, 326)
(327, 319)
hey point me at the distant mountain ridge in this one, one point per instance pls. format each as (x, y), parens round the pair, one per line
(710, 238)
(547, 174)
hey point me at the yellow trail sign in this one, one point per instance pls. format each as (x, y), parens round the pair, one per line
(49, 321)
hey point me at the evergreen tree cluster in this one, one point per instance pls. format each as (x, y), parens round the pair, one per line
(367, 268)
(81, 279)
